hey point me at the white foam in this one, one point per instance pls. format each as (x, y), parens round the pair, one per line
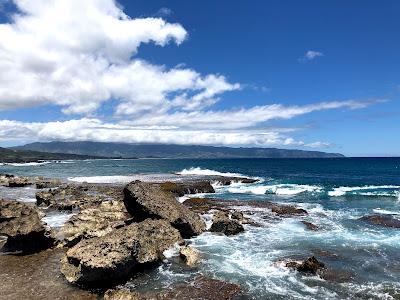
(30, 164)
(208, 172)
(385, 211)
(343, 190)
(57, 220)
(277, 189)
(104, 179)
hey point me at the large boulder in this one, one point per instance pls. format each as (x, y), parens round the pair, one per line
(94, 222)
(223, 224)
(382, 220)
(145, 200)
(23, 228)
(189, 255)
(311, 266)
(103, 261)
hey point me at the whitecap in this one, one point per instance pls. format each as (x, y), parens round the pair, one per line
(29, 164)
(277, 189)
(208, 172)
(369, 190)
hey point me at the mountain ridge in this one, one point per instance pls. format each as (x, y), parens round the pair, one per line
(126, 150)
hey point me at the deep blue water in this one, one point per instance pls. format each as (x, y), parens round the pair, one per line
(335, 192)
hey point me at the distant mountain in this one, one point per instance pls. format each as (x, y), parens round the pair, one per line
(169, 151)
(20, 156)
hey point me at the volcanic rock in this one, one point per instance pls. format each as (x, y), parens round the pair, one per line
(145, 200)
(382, 220)
(189, 255)
(102, 261)
(222, 223)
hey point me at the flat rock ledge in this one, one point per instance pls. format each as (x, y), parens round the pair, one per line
(146, 200)
(22, 227)
(104, 261)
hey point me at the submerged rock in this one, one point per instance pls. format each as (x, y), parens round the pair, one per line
(191, 187)
(382, 220)
(310, 226)
(311, 265)
(285, 210)
(23, 228)
(222, 223)
(189, 255)
(102, 261)
(145, 200)
(94, 222)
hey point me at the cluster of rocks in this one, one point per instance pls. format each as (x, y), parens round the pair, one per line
(14, 181)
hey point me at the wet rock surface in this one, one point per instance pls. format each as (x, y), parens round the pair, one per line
(144, 200)
(185, 188)
(23, 228)
(223, 224)
(114, 257)
(310, 226)
(94, 222)
(311, 266)
(382, 220)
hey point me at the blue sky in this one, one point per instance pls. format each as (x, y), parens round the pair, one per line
(334, 62)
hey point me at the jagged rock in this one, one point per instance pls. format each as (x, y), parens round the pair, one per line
(122, 294)
(180, 189)
(223, 180)
(73, 196)
(17, 181)
(22, 226)
(311, 265)
(48, 183)
(382, 220)
(285, 210)
(4, 178)
(145, 200)
(94, 222)
(102, 261)
(189, 255)
(237, 215)
(310, 226)
(222, 223)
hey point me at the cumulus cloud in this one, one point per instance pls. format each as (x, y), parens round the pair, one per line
(79, 54)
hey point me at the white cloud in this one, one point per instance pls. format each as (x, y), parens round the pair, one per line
(78, 54)
(310, 55)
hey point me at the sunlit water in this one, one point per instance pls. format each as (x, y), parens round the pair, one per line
(335, 192)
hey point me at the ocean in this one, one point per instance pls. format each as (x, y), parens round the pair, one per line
(336, 193)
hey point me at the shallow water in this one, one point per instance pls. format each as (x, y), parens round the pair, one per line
(364, 259)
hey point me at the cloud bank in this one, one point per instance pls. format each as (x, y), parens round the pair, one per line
(79, 55)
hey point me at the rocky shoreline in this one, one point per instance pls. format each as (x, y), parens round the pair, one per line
(118, 231)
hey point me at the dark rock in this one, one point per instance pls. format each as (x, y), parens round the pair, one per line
(94, 222)
(19, 181)
(285, 210)
(48, 183)
(223, 180)
(382, 220)
(191, 187)
(311, 265)
(310, 226)
(222, 223)
(145, 200)
(103, 261)
(237, 215)
(22, 226)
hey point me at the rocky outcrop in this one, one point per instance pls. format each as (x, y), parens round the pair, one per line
(103, 261)
(22, 226)
(48, 183)
(94, 222)
(189, 255)
(180, 189)
(74, 196)
(224, 180)
(285, 210)
(382, 220)
(17, 181)
(145, 200)
(123, 294)
(223, 224)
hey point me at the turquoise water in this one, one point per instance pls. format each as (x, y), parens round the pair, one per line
(335, 192)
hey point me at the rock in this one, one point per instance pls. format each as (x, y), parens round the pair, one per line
(48, 183)
(222, 180)
(189, 255)
(180, 189)
(222, 223)
(382, 220)
(286, 210)
(94, 222)
(202, 288)
(19, 181)
(310, 226)
(23, 228)
(237, 215)
(311, 265)
(201, 205)
(145, 200)
(4, 178)
(103, 261)
(122, 294)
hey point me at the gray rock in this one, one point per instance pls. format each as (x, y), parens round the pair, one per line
(23, 228)
(106, 260)
(223, 224)
(145, 200)
(382, 220)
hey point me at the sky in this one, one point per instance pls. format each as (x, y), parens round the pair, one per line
(312, 74)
